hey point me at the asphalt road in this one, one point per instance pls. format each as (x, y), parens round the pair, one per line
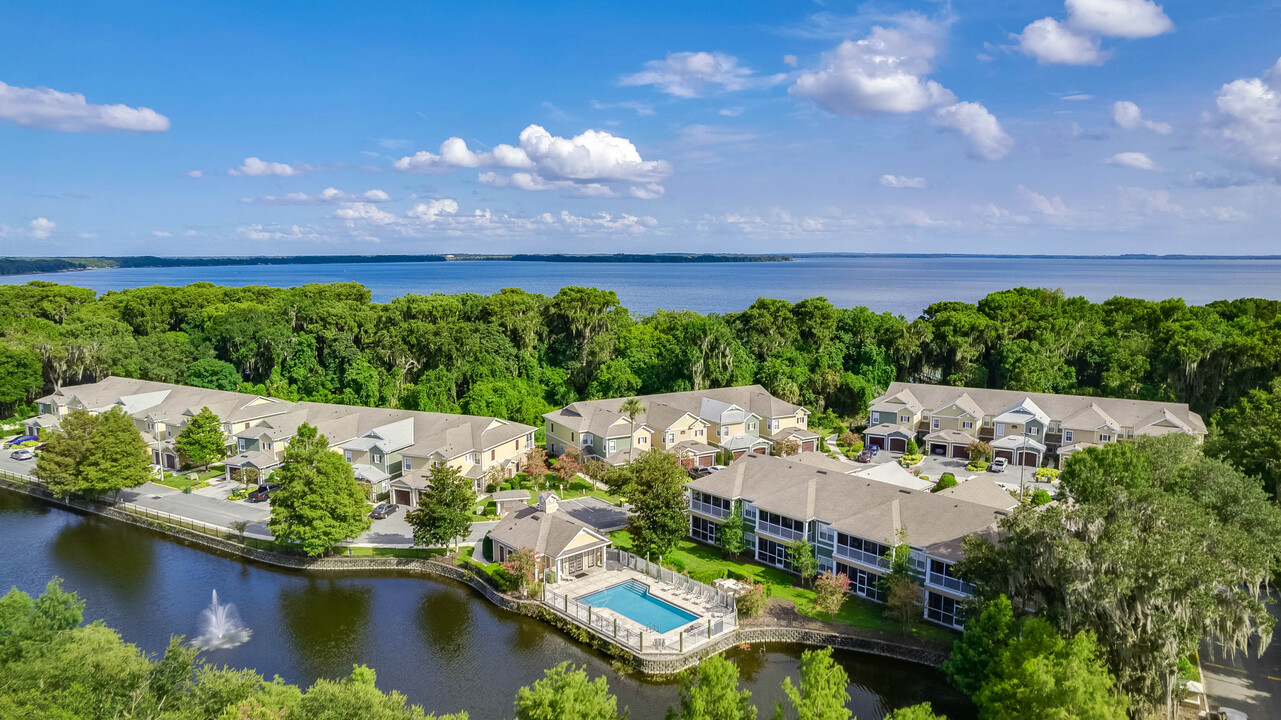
(1247, 682)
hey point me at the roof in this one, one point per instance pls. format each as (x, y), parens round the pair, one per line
(369, 473)
(855, 505)
(886, 429)
(663, 409)
(1016, 442)
(983, 491)
(950, 436)
(1128, 413)
(543, 532)
(505, 495)
(891, 473)
(798, 433)
(895, 401)
(693, 446)
(254, 458)
(743, 441)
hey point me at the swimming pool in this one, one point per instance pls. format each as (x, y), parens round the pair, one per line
(632, 599)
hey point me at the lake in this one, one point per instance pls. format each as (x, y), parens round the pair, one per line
(901, 285)
(437, 642)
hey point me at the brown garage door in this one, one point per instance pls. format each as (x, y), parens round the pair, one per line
(739, 453)
(401, 497)
(1028, 459)
(1007, 454)
(898, 445)
(706, 460)
(759, 450)
(960, 451)
(876, 442)
(807, 446)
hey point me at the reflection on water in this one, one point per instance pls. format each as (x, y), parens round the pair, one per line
(438, 642)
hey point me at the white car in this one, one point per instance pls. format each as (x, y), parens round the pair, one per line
(22, 454)
(998, 465)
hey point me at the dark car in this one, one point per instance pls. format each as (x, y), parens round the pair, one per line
(383, 510)
(263, 492)
(699, 471)
(868, 454)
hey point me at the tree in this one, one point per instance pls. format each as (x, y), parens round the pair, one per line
(202, 441)
(444, 509)
(980, 451)
(536, 465)
(924, 711)
(789, 446)
(20, 377)
(523, 568)
(656, 484)
(568, 464)
(912, 447)
(710, 691)
(729, 534)
(93, 455)
(823, 692)
(1041, 676)
(566, 692)
(984, 638)
(948, 480)
(902, 585)
(1248, 436)
(829, 592)
(59, 464)
(631, 408)
(754, 600)
(319, 503)
(803, 559)
(213, 374)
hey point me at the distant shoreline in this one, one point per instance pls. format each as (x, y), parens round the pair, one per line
(53, 265)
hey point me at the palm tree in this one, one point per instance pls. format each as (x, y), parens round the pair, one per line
(631, 408)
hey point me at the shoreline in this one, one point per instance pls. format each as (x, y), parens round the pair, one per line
(765, 629)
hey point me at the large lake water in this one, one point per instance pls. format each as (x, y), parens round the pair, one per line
(439, 643)
(901, 285)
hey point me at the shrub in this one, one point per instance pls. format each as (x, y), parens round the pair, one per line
(976, 465)
(925, 477)
(238, 494)
(1046, 473)
(829, 592)
(909, 459)
(1041, 497)
(912, 447)
(849, 439)
(948, 480)
(753, 601)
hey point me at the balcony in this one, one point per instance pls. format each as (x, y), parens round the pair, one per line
(779, 531)
(866, 558)
(708, 509)
(949, 583)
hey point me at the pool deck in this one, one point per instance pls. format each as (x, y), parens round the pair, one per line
(712, 618)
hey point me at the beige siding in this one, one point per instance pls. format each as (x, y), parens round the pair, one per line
(583, 539)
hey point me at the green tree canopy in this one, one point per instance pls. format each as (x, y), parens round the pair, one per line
(566, 692)
(655, 485)
(444, 509)
(94, 455)
(319, 503)
(202, 440)
(213, 374)
(822, 693)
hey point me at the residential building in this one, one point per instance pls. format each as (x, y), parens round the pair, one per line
(698, 425)
(851, 521)
(390, 450)
(1031, 429)
(561, 543)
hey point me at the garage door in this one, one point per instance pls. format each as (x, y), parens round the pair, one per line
(876, 442)
(1007, 454)
(898, 445)
(706, 460)
(739, 453)
(807, 446)
(401, 497)
(938, 449)
(759, 450)
(1028, 459)
(960, 451)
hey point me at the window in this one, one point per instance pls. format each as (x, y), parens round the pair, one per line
(643, 439)
(772, 553)
(1104, 437)
(493, 454)
(1000, 429)
(862, 582)
(671, 438)
(346, 453)
(876, 418)
(702, 529)
(751, 426)
(724, 432)
(375, 458)
(698, 432)
(944, 610)
(613, 446)
(935, 424)
(409, 465)
(905, 419)
(517, 443)
(987, 421)
(1067, 436)
(1033, 430)
(773, 424)
(474, 458)
(966, 425)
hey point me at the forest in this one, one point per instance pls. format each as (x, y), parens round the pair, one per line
(516, 354)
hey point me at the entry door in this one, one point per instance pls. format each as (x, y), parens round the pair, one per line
(574, 565)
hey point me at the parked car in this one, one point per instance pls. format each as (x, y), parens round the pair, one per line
(868, 454)
(699, 471)
(997, 465)
(22, 454)
(263, 492)
(383, 510)
(20, 439)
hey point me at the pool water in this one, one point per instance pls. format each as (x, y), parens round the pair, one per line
(632, 599)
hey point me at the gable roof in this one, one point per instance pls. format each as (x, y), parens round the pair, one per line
(661, 410)
(543, 532)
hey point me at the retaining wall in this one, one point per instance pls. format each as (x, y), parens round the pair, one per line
(646, 663)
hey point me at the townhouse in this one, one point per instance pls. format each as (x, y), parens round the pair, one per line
(852, 522)
(1031, 429)
(698, 426)
(391, 451)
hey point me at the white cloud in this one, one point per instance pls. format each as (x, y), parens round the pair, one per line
(531, 181)
(790, 60)
(1119, 18)
(260, 233)
(1146, 201)
(697, 74)
(1051, 42)
(1078, 97)
(253, 167)
(365, 212)
(195, 173)
(1136, 160)
(984, 136)
(69, 112)
(883, 73)
(328, 195)
(902, 181)
(636, 106)
(731, 111)
(1127, 116)
(1052, 206)
(161, 233)
(443, 216)
(1249, 120)
(41, 228)
(652, 191)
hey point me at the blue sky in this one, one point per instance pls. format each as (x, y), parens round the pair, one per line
(1075, 126)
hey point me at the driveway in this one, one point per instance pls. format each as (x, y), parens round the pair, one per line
(1247, 682)
(194, 506)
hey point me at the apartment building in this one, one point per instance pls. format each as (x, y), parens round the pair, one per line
(390, 450)
(852, 522)
(1031, 429)
(698, 425)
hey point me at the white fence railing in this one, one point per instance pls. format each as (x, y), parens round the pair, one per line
(688, 588)
(779, 531)
(708, 509)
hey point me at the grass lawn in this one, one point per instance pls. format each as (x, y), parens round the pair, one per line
(466, 557)
(179, 482)
(391, 552)
(704, 564)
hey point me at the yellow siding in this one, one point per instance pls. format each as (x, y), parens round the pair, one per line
(583, 539)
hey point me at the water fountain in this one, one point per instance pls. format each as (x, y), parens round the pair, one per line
(221, 627)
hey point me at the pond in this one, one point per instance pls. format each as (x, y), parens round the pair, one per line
(438, 642)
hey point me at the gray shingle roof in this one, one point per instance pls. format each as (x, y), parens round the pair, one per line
(663, 409)
(543, 532)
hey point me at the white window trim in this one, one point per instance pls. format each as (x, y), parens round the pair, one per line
(935, 423)
(967, 425)
(347, 453)
(1105, 437)
(407, 464)
(1033, 431)
(1000, 429)
(1067, 436)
